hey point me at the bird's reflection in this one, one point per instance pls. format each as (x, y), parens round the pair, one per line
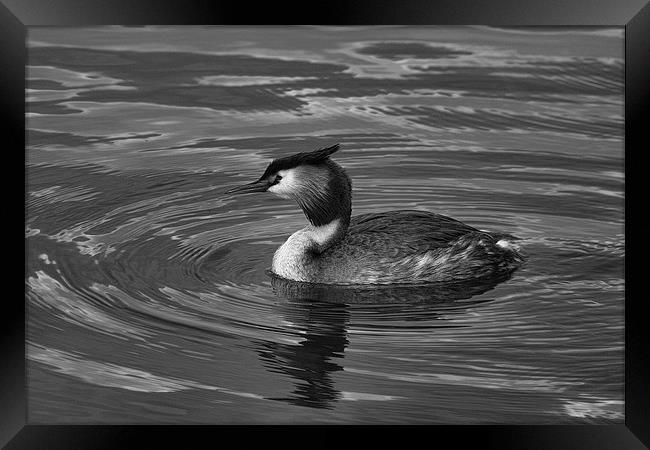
(321, 314)
(314, 360)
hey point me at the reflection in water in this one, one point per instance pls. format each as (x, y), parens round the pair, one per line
(321, 313)
(146, 291)
(312, 361)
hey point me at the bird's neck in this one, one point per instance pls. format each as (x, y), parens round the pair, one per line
(325, 236)
(328, 207)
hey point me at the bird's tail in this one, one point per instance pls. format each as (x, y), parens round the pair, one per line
(511, 248)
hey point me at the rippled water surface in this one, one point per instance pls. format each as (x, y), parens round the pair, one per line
(148, 296)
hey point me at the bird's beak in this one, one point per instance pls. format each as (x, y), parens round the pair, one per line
(256, 186)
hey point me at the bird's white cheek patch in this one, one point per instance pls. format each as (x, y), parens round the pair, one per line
(287, 185)
(277, 190)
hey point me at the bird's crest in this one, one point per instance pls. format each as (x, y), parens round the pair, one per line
(289, 162)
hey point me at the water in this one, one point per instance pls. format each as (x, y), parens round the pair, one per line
(148, 296)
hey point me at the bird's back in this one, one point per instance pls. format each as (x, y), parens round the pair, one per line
(411, 247)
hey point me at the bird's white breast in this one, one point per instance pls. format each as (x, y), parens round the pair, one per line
(292, 260)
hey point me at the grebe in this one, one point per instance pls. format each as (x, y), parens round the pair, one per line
(393, 247)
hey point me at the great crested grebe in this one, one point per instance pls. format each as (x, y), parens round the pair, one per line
(393, 247)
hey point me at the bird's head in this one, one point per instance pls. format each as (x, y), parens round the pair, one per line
(319, 185)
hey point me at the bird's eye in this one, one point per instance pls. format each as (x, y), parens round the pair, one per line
(277, 179)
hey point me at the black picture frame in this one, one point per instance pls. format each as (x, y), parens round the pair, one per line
(17, 15)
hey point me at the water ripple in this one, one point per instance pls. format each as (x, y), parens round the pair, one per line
(143, 278)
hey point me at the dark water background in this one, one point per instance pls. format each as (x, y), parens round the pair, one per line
(148, 299)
